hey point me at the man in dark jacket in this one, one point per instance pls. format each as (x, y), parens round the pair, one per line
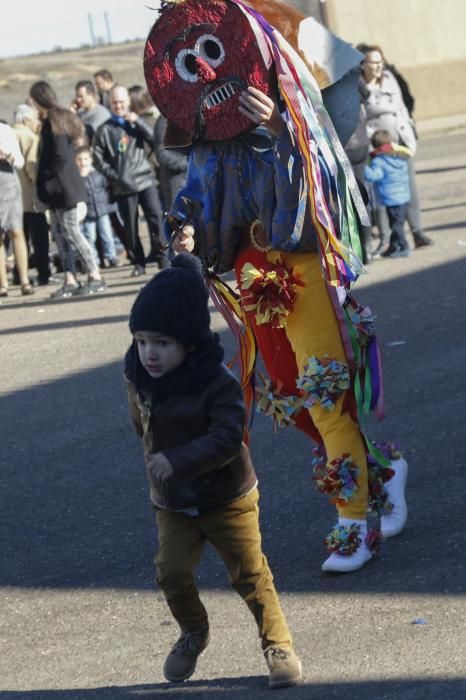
(119, 154)
(188, 409)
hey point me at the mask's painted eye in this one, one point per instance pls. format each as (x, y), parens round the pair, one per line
(186, 67)
(211, 49)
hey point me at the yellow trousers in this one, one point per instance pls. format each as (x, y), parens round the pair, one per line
(313, 331)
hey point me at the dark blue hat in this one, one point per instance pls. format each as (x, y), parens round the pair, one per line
(175, 303)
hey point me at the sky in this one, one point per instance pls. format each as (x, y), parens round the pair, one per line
(41, 25)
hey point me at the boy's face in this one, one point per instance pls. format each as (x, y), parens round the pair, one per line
(158, 353)
(84, 163)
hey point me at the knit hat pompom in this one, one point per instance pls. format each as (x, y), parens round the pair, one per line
(188, 261)
(175, 303)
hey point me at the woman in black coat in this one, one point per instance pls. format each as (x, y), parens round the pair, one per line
(60, 187)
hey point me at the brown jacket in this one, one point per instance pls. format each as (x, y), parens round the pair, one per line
(29, 145)
(201, 436)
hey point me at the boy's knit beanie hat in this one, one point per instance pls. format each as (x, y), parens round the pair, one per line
(175, 303)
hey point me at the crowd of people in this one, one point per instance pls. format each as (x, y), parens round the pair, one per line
(79, 176)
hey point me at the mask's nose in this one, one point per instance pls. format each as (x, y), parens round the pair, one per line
(205, 71)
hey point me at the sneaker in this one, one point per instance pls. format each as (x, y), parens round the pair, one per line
(379, 251)
(421, 240)
(65, 291)
(115, 262)
(181, 662)
(284, 667)
(393, 523)
(138, 270)
(401, 253)
(91, 287)
(389, 252)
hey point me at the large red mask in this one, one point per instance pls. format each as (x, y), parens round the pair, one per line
(199, 56)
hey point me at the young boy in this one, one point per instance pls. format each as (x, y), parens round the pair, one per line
(188, 409)
(97, 220)
(388, 170)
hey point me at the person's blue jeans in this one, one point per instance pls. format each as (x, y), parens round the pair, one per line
(101, 227)
(397, 217)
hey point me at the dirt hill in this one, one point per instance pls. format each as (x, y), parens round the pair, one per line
(64, 68)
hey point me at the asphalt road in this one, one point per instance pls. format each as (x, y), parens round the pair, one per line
(80, 618)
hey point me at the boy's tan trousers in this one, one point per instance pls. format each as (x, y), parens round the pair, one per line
(233, 530)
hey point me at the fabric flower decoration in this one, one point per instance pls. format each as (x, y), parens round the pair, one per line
(337, 478)
(344, 539)
(362, 318)
(269, 292)
(281, 407)
(377, 476)
(373, 540)
(390, 450)
(324, 381)
(319, 459)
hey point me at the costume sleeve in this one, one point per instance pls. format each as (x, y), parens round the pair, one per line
(221, 443)
(373, 172)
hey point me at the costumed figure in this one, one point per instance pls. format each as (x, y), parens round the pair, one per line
(270, 194)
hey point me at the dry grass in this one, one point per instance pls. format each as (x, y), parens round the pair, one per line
(63, 69)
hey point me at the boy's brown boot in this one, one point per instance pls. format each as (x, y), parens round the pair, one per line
(284, 667)
(180, 664)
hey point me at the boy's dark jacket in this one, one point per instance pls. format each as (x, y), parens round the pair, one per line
(201, 435)
(97, 199)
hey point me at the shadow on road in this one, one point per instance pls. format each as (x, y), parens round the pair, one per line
(239, 688)
(75, 510)
(61, 325)
(447, 227)
(432, 171)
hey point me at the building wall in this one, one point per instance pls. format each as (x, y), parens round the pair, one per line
(425, 39)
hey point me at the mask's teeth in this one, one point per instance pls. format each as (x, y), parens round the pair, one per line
(223, 93)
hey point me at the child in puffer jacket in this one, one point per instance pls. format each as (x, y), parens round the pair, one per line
(96, 225)
(388, 171)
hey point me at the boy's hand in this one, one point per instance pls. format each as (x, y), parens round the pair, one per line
(159, 467)
(261, 109)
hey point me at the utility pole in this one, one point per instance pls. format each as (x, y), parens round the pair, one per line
(91, 28)
(323, 6)
(107, 24)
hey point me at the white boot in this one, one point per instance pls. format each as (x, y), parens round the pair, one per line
(344, 563)
(393, 523)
